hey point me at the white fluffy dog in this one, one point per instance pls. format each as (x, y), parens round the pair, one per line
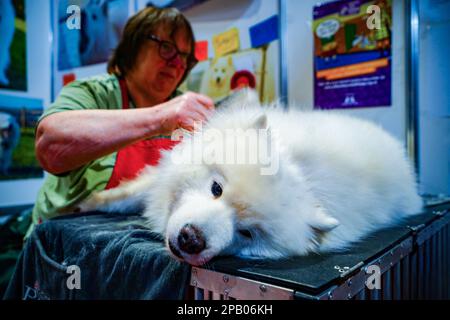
(328, 182)
(216, 81)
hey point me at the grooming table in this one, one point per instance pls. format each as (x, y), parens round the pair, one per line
(413, 261)
(120, 259)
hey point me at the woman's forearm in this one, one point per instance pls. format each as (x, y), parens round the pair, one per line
(70, 139)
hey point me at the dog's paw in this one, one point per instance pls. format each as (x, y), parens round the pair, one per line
(90, 204)
(103, 199)
(97, 200)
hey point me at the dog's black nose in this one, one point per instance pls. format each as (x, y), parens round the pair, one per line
(191, 239)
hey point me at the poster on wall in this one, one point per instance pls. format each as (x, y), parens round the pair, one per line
(352, 54)
(90, 37)
(18, 118)
(13, 31)
(231, 66)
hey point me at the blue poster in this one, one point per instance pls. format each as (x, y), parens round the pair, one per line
(352, 54)
(18, 119)
(13, 41)
(89, 31)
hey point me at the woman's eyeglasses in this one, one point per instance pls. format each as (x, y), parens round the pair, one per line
(168, 51)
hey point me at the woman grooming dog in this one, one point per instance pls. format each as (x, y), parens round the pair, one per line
(105, 129)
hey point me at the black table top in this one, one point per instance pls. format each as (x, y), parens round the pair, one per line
(316, 272)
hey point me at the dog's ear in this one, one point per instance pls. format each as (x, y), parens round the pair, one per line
(230, 60)
(260, 123)
(322, 222)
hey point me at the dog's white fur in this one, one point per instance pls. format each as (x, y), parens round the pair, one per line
(339, 179)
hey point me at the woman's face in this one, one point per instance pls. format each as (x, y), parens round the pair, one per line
(155, 76)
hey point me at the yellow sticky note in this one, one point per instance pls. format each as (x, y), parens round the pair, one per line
(226, 42)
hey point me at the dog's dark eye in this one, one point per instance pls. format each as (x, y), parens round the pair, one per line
(246, 233)
(216, 189)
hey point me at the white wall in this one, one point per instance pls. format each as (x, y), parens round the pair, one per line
(15, 192)
(300, 67)
(217, 16)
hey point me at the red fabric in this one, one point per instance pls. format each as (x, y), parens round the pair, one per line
(68, 78)
(133, 158)
(201, 50)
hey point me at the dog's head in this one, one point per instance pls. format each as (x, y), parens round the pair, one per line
(225, 202)
(222, 69)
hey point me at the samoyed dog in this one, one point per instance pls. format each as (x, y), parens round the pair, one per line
(322, 182)
(216, 81)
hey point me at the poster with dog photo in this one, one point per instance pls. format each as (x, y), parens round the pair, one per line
(13, 31)
(352, 54)
(220, 77)
(233, 67)
(98, 33)
(18, 118)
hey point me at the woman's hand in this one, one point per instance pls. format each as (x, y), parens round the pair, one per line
(185, 111)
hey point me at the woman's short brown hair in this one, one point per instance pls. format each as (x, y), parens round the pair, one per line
(136, 31)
